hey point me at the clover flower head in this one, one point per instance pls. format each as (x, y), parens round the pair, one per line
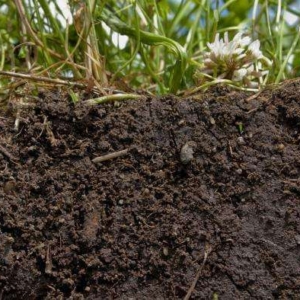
(239, 60)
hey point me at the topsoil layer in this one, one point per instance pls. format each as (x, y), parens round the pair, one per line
(204, 204)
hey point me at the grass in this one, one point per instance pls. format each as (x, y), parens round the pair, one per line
(166, 41)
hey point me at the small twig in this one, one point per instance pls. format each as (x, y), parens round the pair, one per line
(110, 156)
(53, 81)
(252, 97)
(191, 289)
(230, 149)
(116, 97)
(7, 154)
(214, 82)
(48, 263)
(17, 121)
(41, 78)
(252, 110)
(291, 180)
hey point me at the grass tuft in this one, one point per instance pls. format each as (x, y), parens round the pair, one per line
(153, 45)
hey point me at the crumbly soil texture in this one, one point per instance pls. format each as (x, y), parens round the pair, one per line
(202, 202)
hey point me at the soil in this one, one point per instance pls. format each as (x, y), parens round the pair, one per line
(204, 203)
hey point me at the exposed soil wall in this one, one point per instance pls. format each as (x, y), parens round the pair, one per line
(207, 192)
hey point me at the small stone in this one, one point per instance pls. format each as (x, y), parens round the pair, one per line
(187, 152)
(165, 251)
(181, 122)
(212, 121)
(10, 240)
(121, 202)
(146, 192)
(61, 220)
(280, 147)
(32, 148)
(239, 171)
(68, 282)
(240, 140)
(9, 187)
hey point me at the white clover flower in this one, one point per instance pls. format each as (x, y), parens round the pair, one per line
(238, 75)
(242, 41)
(254, 49)
(239, 60)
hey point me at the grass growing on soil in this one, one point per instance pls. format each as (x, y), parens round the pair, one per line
(200, 198)
(164, 40)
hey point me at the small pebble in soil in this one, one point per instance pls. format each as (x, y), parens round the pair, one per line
(146, 192)
(239, 171)
(165, 251)
(181, 122)
(9, 187)
(187, 152)
(280, 147)
(68, 282)
(240, 140)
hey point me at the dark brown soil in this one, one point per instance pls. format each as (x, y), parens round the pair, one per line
(208, 193)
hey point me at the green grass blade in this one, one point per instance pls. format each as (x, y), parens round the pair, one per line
(155, 40)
